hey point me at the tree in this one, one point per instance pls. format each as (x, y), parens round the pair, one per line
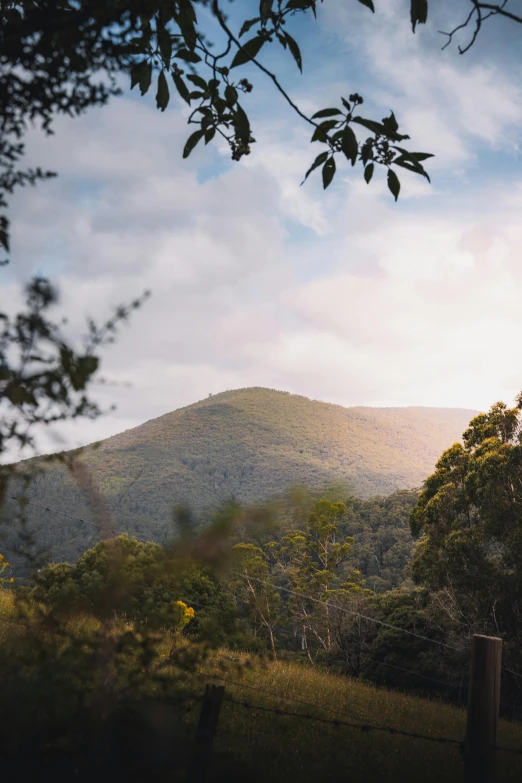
(122, 576)
(469, 519)
(254, 590)
(45, 379)
(353, 631)
(310, 561)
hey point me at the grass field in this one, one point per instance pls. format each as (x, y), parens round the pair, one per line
(281, 748)
(255, 745)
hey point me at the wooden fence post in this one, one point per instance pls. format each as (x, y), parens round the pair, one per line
(205, 733)
(483, 708)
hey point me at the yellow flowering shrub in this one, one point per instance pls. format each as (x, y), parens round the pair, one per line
(4, 565)
(183, 614)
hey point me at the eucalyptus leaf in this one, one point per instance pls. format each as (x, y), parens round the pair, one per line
(141, 74)
(326, 113)
(393, 183)
(418, 156)
(248, 24)
(188, 55)
(165, 44)
(230, 95)
(198, 81)
(146, 77)
(329, 169)
(317, 162)
(241, 124)
(4, 239)
(162, 96)
(249, 50)
(349, 144)
(294, 49)
(391, 123)
(319, 135)
(414, 167)
(419, 12)
(375, 127)
(181, 87)
(298, 5)
(191, 142)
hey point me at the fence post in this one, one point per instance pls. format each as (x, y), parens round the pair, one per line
(483, 708)
(205, 733)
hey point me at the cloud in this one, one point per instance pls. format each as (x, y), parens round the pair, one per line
(439, 326)
(342, 296)
(447, 103)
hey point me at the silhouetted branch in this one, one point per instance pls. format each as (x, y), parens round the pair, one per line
(480, 12)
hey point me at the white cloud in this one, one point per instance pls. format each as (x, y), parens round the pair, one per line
(414, 303)
(447, 103)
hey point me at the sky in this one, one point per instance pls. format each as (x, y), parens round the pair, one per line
(343, 296)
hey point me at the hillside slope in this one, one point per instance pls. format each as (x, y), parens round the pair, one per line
(250, 444)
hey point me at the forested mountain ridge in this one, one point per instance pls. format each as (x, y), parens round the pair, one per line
(250, 445)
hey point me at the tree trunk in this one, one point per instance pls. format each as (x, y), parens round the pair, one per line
(272, 642)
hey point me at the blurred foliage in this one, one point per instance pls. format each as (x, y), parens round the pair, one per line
(97, 659)
(4, 566)
(42, 378)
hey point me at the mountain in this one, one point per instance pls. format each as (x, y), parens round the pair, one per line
(250, 444)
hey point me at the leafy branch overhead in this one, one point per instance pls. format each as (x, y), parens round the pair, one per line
(64, 56)
(215, 100)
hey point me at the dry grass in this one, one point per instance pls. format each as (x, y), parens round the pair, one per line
(280, 748)
(6, 602)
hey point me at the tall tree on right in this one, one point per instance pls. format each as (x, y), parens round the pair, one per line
(469, 522)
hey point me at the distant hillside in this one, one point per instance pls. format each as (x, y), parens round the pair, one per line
(250, 444)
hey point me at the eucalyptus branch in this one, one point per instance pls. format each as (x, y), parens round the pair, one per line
(499, 10)
(477, 11)
(219, 16)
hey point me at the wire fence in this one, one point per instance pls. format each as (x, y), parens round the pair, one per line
(353, 722)
(362, 726)
(340, 722)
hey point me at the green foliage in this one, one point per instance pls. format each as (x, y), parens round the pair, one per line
(139, 582)
(309, 560)
(250, 444)
(81, 697)
(469, 521)
(253, 588)
(383, 544)
(419, 12)
(55, 55)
